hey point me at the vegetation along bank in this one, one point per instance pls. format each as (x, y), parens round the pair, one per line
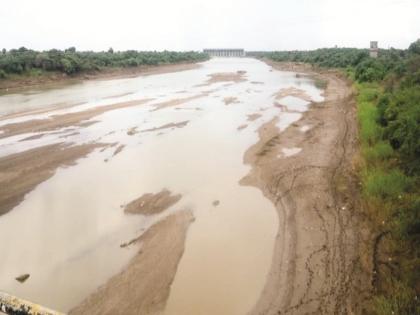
(30, 67)
(388, 98)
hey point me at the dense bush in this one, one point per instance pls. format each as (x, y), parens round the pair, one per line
(325, 57)
(70, 61)
(370, 70)
(381, 183)
(401, 117)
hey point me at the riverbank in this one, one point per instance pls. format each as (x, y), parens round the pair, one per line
(19, 83)
(301, 159)
(321, 261)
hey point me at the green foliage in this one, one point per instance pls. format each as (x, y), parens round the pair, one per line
(71, 61)
(370, 132)
(415, 47)
(367, 92)
(404, 301)
(325, 57)
(370, 70)
(407, 222)
(401, 116)
(379, 183)
(380, 151)
(389, 119)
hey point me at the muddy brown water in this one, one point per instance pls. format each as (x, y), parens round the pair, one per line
(67, 232)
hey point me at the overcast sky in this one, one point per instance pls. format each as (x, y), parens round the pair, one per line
(197, 24)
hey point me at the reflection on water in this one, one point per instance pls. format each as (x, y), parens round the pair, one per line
(66, 233)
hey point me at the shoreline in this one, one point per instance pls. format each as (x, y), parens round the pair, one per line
(321, 256)
(56, 79)
(321, 260)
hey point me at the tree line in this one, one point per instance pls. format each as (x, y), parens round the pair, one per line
(70, 61)
(389, 117)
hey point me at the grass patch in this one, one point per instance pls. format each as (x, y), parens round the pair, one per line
(385, 184)
(35, 72)
(378, 152)
(367, 92)
(403, 301)
(370, 131)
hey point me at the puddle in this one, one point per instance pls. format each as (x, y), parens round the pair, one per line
(67, 232)
(305, 128)
(286, 152)
(294, 103)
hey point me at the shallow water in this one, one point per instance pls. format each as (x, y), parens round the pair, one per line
(66, 233)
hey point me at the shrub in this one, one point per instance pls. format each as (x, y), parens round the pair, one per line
(381, 184)
(402, 117)
(378, 152)
(403, 301)
(367, 92)
(370, 70)
(370, 131)
(407, 222)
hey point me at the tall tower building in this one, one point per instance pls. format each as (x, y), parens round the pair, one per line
(373, 51)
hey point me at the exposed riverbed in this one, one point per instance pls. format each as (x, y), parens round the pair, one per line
(183, 133)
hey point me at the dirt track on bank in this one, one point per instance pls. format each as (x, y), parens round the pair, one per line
(321, 261)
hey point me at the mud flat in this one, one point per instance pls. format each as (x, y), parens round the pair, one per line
(152, 203)
(61, 121)
(123, 201)
(22, 172)
(143, 287)
(321, 261)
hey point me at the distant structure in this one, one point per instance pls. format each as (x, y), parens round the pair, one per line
(225, 52)
(373, 51)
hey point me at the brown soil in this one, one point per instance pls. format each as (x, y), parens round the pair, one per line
(62, 121)
(253, 117)
(118, 95)
(34, 137)
(132, 131)
(118, 149)
(170, 125)
(23, 278)
(70, 135)
(319, 264)
(230, 100)
(149, 204)
(178, 101)
(22, 172)
(292, 91)
(234, 77)
(143, 287)
(55, 79)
